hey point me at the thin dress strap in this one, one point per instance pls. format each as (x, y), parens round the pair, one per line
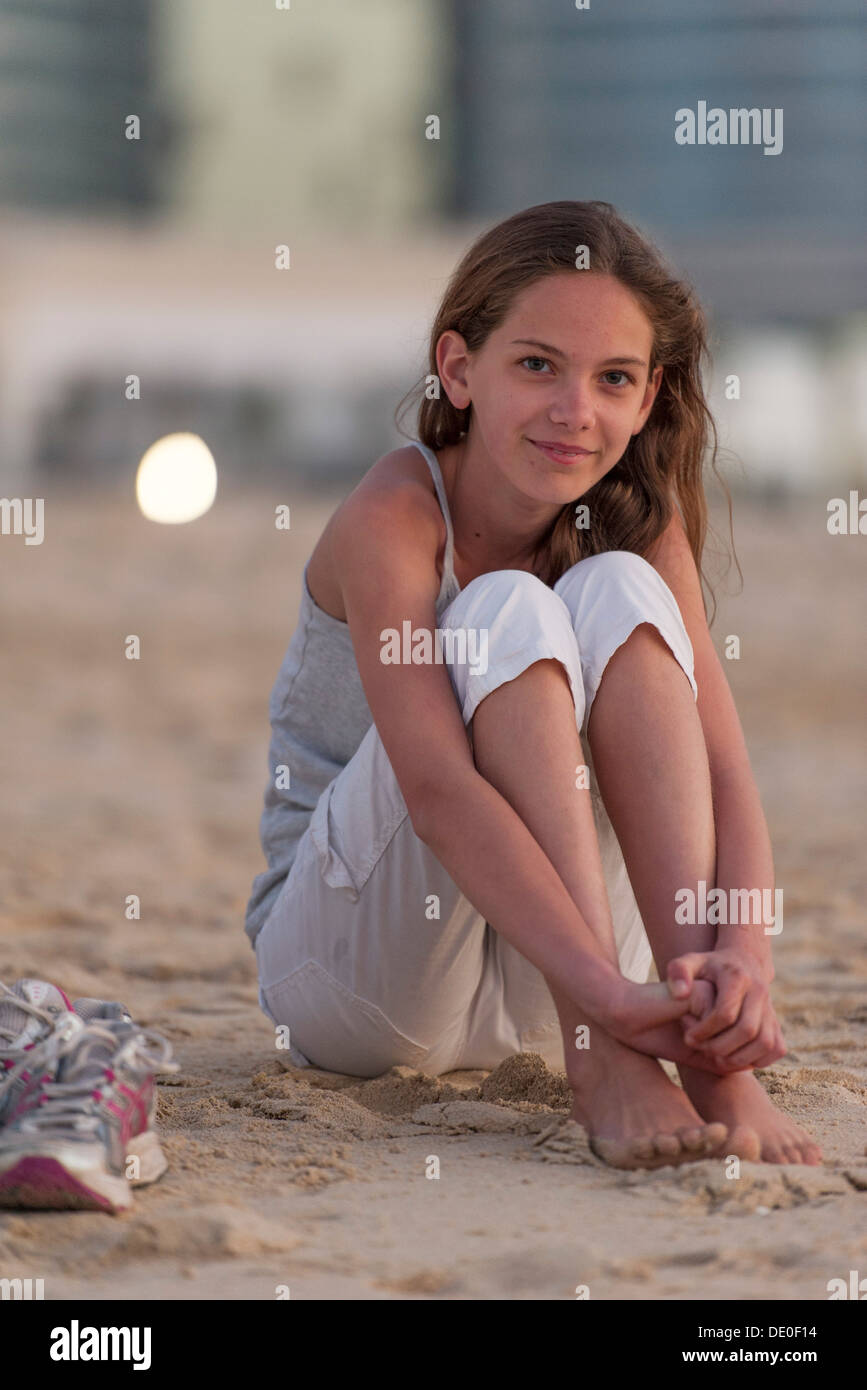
(450, 584)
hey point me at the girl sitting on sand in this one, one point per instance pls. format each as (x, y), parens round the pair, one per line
(503, 747)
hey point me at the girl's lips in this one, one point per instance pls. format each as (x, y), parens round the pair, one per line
(560, 456)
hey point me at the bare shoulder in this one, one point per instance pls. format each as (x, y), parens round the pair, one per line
(399, 475)
(396, 497)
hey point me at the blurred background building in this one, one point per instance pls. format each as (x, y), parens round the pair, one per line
(152, 258)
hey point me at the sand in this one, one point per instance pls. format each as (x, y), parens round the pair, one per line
(146, 778)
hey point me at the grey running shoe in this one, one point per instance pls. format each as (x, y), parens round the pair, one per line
(85, 1136)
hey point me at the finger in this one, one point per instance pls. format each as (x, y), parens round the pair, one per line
(651, 1005)
(701, 1001)
(759, 1053)
(704, 1061)
(682, 971)
(746, 1060)
(752, 1019)
(699, 1005)
(731, 989)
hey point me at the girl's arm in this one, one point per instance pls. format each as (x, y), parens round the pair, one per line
(744, 857)
(384, 544)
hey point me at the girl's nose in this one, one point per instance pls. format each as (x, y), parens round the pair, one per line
(574, 409)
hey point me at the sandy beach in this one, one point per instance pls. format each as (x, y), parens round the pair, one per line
(146, 777)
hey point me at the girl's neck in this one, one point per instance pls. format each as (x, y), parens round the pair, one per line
(493, 528)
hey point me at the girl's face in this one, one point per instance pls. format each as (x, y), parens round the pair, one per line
(556, 373)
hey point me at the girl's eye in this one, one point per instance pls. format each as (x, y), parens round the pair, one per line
(614, 372)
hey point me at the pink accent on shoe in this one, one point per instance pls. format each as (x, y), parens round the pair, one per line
(139, 1101)
(133, 1116)
(124, 1119)
(37, 1181)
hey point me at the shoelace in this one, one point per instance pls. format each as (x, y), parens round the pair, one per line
(8, 995)
(38, 1054)
(76, 1104)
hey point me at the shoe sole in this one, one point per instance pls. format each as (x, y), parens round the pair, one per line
(42, 1181)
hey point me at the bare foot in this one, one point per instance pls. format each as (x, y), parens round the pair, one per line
(757, 1129)
(634, 1115)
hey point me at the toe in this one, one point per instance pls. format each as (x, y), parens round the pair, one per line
(693, 1139)
(611, 1151)
(808, 1149)
(643, 1147)
(615, 1152)
(715, 1134)
(667, 1145)
(745, 1143)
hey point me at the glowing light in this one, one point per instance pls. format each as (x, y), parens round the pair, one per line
(176, 479)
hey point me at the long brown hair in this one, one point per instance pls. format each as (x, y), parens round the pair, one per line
(662, 465)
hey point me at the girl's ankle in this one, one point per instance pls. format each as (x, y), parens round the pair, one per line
(594, 1057)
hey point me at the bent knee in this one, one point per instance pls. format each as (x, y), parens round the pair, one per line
(502, 592)
(622, 575)
(508, 582)
(611, 567)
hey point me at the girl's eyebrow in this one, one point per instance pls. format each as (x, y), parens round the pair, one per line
(555, 352)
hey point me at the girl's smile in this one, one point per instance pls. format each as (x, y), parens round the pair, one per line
(561, 453)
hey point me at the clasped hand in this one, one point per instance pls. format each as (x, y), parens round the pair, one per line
(713, 1011)
(731, 1019)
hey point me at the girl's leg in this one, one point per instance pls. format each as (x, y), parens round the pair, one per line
(651, 766)
(526, 744)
